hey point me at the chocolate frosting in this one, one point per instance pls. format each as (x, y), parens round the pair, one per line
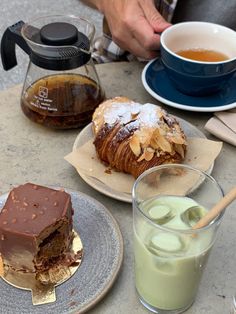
(30, 208)
(32, 217)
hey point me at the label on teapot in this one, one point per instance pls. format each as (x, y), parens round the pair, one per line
(62, 101)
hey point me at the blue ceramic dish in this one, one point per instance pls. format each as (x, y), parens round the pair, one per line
(157, 83)
(197, 77)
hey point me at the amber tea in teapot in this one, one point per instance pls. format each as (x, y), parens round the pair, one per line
(62, 100)
(61, 88)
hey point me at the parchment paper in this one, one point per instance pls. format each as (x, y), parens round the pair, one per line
(201, 154)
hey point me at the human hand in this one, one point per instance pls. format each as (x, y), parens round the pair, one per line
(134, 25)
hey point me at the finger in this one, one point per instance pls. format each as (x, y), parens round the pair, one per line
(140, 28)
(145, 35)
(131, 44)
(156, 20)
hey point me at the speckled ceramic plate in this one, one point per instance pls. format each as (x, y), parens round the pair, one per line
(103, 255)
(86, 134)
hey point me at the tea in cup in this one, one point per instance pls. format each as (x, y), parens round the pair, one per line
(199, 57)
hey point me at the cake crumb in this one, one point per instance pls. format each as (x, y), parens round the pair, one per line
(73, 303)
(108, 170)
(72, 292)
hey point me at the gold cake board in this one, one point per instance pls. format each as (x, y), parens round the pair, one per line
(45, 293)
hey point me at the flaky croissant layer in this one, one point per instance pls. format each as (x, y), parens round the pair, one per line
(133, 137)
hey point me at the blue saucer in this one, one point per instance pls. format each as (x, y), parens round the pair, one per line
(157, 84)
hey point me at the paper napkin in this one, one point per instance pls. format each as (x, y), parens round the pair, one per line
(223, 126)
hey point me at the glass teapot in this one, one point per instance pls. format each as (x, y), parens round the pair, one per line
(61, 88)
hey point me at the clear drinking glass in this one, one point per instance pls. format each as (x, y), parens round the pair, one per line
(233, 308)
(169, 256)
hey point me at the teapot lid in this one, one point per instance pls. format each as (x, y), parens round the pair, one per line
(61, 44)
(59, 34)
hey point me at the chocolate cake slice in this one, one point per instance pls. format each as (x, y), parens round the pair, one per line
(35, 228)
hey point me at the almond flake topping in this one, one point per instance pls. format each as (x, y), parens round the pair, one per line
(158, 132)
(135, 145)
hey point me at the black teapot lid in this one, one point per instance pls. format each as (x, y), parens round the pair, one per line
(55, 46)
(59, 34)
(71, 47)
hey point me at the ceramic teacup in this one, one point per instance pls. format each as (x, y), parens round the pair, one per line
(197, 77)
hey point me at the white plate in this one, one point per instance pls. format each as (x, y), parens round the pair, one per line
(87, 134)
(102, 260)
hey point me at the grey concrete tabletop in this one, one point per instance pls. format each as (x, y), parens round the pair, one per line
(30, 152)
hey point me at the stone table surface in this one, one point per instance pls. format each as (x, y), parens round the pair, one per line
(30, 152)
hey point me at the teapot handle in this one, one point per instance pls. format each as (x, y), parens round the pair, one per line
(12, 36)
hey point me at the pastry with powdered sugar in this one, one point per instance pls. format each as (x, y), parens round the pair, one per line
(131, 137)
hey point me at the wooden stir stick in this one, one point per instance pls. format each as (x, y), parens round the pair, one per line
(217, 209)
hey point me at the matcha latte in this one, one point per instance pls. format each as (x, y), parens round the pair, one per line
(170, 255)
(168, 260)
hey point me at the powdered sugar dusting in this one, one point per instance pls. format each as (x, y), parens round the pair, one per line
(146, 115)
